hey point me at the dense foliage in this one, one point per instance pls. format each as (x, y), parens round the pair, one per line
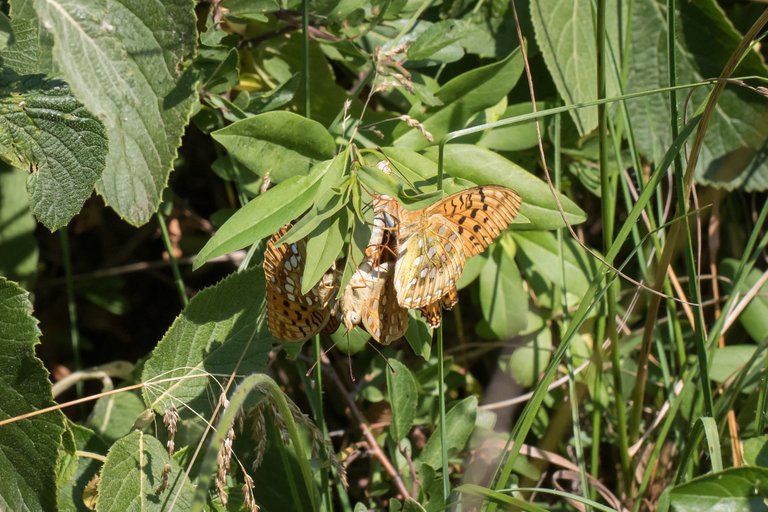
(607, 351)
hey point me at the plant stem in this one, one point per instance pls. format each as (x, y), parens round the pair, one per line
(74, 334)
(172, 260)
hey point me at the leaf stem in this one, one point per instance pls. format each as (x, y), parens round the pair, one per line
(172, 260)
(74, 334)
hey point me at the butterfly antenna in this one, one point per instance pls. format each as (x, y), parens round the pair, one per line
(349, 359)
(322, 354)
(382, 356)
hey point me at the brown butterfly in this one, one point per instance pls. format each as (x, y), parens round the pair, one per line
(292, 316)
(434, 243)
(369, 297)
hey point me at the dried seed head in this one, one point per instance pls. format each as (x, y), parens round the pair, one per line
(171, 420)
(222, 462)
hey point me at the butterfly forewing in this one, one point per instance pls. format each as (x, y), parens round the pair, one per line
(434, 243)
(480, 214)
(429, 264)
(292, 316)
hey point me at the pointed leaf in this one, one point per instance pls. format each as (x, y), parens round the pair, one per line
(461, 422)
(44, 129)
(28, 448)
(220, 324)
(124, 61)
(132, 478)
(403, 393)
(281, 143)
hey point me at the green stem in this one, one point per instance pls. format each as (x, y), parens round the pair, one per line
(305, 40)
(74, 334)
(608, 206)
(441, 375)
(172, 260)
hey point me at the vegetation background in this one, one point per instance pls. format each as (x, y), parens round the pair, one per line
(607, 351)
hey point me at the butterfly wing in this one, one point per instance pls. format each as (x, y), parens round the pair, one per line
(382, 315)
(479, 214)
(290, 315)
(430, 260)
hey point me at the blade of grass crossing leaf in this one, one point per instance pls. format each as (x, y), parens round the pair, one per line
(269, 390)
(523, 425)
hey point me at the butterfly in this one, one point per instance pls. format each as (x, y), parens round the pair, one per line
(434, 243)
(292, 316)
(369, 297)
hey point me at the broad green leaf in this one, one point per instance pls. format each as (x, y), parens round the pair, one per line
(44, 129)
(731, 359)
(275, 98)
(503, 299)
(565, 33)
(113, 416)
(734, 489)
(461, 422)
(324, 247)
(18, 247)
(419, 336)
(402, 394)
(28, 448)
(76, 471)
(264, 215)
(220, 325)
(472, 270)
(515, 137)
(754, 318)
(756, 451)
(281, 143)
(220, 68)
(530, 357)
(433, 42)
(570, 270)
(351, 342)
(132, 477)
(485, 167)
(462, 97)
(30, 52)
(733, 154)
(124, 61)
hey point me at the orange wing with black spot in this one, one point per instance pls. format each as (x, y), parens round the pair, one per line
(292, 316)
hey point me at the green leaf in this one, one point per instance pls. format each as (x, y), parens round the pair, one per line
(324, 247)
(28, 448)
(515, 137)
(484, 167)
(44, 129)
(419, 336)
(461, 422)
(731, 359)
(530, 357)
(432, 42)
(540, 254)
(503, 299)
(114, 416)
(30, 53)
(125, 62)
(132, 477)
(275, 98)
(756, 451)
(264, 215)
(733, 154)
(220, 325)
(734, 489)
(75, 471)
(351, 342)
(281, 143)
(6, 32)
(402, 396)
(463, 97)
(754, 318)
(18, 247)
(565, 33)
(472, 270)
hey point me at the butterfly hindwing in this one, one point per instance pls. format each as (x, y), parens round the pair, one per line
(292, 316)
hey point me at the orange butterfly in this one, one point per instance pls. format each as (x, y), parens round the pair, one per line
(292, 316)
(435, 242)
